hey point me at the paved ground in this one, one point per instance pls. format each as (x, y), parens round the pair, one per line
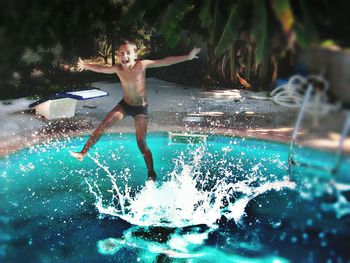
(174, 107)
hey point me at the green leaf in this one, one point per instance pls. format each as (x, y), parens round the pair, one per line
(260, 30)
(280, 6)
(137, 11)
(170, 23)
(205, 14)
(284, 14)
(231, 30)
(214, 32)
(305, 30)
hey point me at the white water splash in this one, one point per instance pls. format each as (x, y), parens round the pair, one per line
(184, 200)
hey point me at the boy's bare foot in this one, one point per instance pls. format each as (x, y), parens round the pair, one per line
(79, 156)
(152, 176)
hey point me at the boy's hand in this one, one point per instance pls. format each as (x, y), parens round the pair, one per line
(81, 65)
(193, 53)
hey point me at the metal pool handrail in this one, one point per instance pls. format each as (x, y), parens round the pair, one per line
(297, 124)
(345, 132)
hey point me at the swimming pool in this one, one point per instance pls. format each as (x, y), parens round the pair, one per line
(226, 200)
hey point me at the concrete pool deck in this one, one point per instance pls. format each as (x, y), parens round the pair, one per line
(174, 107)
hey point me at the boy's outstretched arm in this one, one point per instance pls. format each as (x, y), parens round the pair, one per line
(171, 60)
(95, 67)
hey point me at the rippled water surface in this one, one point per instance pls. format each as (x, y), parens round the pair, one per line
(225, 200)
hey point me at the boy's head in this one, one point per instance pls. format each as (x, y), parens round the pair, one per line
(127, 54)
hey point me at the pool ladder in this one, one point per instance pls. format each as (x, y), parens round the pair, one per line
(345, 132)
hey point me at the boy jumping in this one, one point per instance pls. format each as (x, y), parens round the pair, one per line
(131, 73)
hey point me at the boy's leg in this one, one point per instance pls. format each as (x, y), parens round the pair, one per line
(141, 131)
(117, 114)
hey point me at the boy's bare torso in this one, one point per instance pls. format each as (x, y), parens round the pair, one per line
(132, 72)
(133, 83)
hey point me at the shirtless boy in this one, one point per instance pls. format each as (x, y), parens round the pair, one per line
(132, 75)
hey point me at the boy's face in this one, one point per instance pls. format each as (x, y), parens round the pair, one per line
(127, 55)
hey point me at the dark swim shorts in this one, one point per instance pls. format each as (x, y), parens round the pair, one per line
(133, 110)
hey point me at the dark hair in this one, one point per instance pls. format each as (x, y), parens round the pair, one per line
(127, 42)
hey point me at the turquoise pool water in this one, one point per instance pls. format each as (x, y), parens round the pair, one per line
(226, 200)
